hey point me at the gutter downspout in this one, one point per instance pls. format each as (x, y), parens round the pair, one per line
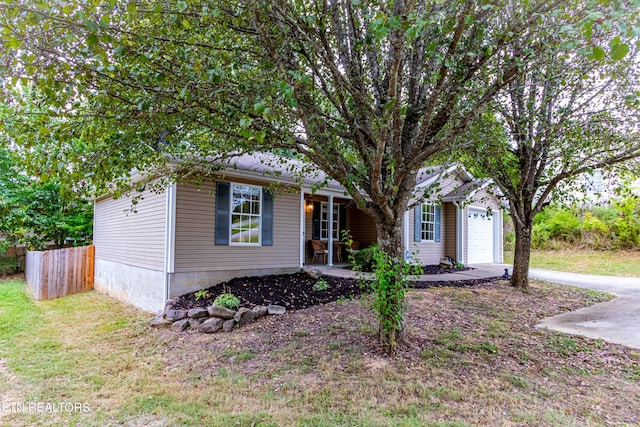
(169, 238)
(459, 234)
(405, 219)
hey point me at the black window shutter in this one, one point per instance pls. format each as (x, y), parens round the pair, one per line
(315, 222)
(267, 217)
(417, 224)
(343, 220)
(437, 224)
(222, 213)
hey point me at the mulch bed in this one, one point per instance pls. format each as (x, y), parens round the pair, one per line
(295, 291)
(436, 269)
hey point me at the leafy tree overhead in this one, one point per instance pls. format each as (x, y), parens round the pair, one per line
(564, 117)
(367, 91)
(35, 213)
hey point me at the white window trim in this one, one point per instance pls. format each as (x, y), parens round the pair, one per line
(422, 222)
(231, 242)
(336, 219)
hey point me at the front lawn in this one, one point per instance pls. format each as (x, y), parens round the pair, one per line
(607, 263)
(476, 359)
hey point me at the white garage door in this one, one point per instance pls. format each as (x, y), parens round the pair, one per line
(480, 236)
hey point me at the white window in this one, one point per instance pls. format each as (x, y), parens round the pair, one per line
(324, 221)
(428, 222)
(246, 210)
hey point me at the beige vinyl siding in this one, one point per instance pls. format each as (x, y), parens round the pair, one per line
(449, 232)
(427, 252)
(431, 252)
(484, 198)
(362, 227)
(135, 239)
(195, 249)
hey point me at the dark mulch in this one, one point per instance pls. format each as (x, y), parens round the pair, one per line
(436, 269)
(295, 291)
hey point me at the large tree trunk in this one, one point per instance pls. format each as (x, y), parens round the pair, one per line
(390, 285)
(522, 256)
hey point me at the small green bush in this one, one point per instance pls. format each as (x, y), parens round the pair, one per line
(9, 265)
(364, 259)
(202, 294)
(227, 300)
(509, 241)
(320, 285)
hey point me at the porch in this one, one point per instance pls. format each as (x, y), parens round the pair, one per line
(325, 219)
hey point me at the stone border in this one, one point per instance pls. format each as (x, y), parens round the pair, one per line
(211, 319)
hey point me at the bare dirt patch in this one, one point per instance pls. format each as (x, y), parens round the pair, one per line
(475, 357)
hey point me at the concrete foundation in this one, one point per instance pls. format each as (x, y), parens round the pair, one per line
(184, 283)
(141, 287)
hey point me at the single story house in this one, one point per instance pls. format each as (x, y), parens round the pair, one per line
(188, 237)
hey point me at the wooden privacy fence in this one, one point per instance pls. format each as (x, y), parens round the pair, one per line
(60, 272)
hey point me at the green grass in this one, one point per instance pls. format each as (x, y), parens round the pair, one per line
(606, 263)
(469, 365)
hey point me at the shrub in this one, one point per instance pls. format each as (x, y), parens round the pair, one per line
(320, 285)
(202, 294)
(227, 300)
(595, 233)
(561, 225)
(9, 265)
(509, 241)
(364, 258)
(627, 225)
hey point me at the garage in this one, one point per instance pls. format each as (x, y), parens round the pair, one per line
(480, 232)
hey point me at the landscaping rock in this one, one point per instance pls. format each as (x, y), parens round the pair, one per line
(312, 273)
(244, 316)
(260, 311)
(175, 315)
(198, 312)
(446, 263)
(212, 325)
(160, 313)
(180, 325)
(169, 304)
(160, 322)
(195, 323)
(221, 312)
(228, 325)
(276, 309)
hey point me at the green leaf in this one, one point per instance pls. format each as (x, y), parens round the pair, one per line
(182, 6)
(132, 9)
(598, 53)
(92, 39)
(619, 51)
(186, 24)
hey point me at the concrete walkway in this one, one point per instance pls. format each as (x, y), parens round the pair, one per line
(616, 321)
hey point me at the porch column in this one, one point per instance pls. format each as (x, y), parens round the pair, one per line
(330, 241)
(303, 211)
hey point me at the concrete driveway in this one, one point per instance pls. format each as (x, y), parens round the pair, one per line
(616, 321)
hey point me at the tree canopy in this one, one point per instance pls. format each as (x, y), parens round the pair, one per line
(367, 91)
(566, 117)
